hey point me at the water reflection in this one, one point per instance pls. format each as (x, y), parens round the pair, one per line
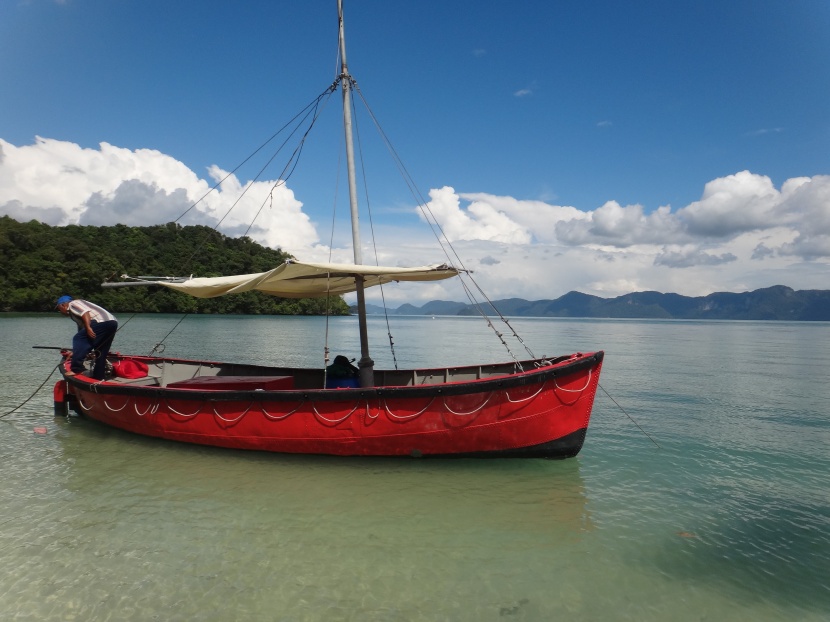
(456, 493)
(728, 520)
(201, 528)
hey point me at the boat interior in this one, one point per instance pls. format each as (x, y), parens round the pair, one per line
(207, 376)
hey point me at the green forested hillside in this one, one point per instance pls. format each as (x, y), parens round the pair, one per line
(39, 262)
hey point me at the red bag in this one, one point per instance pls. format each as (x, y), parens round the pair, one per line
(127, 368)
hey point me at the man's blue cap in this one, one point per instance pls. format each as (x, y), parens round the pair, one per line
(62, 300)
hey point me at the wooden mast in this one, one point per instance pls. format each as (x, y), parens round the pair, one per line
(366, 364)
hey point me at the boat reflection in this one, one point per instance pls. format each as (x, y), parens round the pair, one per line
(386, 497)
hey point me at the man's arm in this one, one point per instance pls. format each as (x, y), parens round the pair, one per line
(88, 325)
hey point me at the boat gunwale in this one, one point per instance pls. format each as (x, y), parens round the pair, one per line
(462, 387)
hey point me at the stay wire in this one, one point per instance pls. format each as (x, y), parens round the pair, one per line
(372, 227)
(413, 189)
(333, 219)
(313, 109)
(442, 238)
(429, 217)
(161, 343)
(292, 163)
(302, 113)
(121, 326)
(331, 247)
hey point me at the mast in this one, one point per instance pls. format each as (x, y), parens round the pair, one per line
(366, 364)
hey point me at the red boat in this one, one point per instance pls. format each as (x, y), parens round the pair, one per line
(477, 411)
(535, 407)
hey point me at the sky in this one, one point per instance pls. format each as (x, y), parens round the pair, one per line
(599, 146)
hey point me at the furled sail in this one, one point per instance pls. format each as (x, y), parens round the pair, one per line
(295, 279)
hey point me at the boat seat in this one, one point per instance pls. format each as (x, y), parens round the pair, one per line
(235, 383)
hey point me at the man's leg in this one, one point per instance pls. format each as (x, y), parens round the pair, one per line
(81, 345)
(104, 334)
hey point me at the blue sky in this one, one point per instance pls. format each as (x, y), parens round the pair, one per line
(603, 146)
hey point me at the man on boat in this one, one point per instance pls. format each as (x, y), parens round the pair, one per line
(96, 330)
(341, 373)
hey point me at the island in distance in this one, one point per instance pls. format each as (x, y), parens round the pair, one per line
(771, 303)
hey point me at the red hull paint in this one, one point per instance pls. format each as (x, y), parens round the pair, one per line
(479, 417)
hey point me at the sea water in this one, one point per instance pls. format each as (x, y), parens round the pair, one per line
(702, 491)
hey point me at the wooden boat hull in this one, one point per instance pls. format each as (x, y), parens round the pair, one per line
(541, 413)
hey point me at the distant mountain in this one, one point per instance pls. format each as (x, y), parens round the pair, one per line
(436, 307)
(772, 303)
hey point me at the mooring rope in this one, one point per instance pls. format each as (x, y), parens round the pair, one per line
(629, 416)
(33, 394)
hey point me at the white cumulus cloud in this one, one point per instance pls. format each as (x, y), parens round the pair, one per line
(481, 220)
(61, 183)
(743, 232)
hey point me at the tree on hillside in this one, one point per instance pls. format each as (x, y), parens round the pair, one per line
(41, 262)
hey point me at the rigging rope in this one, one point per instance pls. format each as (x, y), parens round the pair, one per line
(293, 161)
(312, 111)
(311, 114)
(326, 351)
(444, 242)
(372, 228)
(303, 113)
(160, 344)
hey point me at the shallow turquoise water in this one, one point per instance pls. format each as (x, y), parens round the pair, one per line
(729, 519)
